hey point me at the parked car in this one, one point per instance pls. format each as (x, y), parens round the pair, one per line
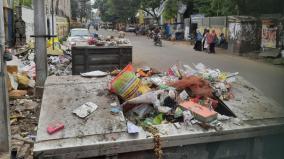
(130, 28)
(78, 36)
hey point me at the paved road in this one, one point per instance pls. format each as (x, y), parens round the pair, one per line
(266, 77)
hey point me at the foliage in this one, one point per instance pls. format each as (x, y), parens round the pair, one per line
(171, 9)
(238, 7)
(216, 7)
(27, 3)
(117, 10)
(150, 7)
(74, 9)
(125, 9)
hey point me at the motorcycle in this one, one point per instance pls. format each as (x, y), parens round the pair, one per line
(157, 40)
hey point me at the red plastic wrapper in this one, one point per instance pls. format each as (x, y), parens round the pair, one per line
(54, 127)
(197, 85)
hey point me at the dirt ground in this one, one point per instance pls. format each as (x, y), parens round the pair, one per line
(24, 114)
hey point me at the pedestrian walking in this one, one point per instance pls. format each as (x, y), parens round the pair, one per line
(212, 39)
(167, 31)
(205, 44)
(137, 29)
(198, 41)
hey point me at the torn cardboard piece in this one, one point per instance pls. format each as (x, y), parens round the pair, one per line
(200, 112)
(85, 110)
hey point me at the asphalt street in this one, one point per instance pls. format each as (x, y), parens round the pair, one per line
(266, 77)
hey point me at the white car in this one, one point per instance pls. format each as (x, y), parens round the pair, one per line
(78, 37)
(130, 28)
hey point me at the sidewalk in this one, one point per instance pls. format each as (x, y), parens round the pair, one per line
(251, 55)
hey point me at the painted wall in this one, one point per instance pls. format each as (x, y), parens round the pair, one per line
(219, 24)
(244, 36)
(8, 26)
(268, 39)
(28, 18)
(281, 34)
(62, 26)
(271, 33)
(61, 7)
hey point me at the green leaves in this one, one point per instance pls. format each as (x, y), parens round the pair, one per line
(117, 10)
(171, 9)
(216, 7)
(125, 9)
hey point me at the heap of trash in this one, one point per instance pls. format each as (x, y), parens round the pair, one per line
(22, 68)
(24, 109)
(60, 65)
(109, 41)
(183, 94)
(21, 72)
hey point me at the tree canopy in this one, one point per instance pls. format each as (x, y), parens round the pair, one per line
(125, 9)
(117, 10)
(238, 7)
(151, 7)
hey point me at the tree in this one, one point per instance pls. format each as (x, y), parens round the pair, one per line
(124, 9)
(102, 6)
(217, 7)
(27, 3)
(117, 10)
(238, 7)
(171, 9)
(74, 9)
(151, 7)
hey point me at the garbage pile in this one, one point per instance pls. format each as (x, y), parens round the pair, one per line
(24, 114)
(183, 94)
(110, 41)
(22, 69)
(60, 65)
(21, 73)
(59, 59)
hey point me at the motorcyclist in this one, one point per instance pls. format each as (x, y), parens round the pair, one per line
(157, 30)
(157, 35)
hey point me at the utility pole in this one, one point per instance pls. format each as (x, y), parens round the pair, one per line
(4, 109)
(52, 21)
(40, 46)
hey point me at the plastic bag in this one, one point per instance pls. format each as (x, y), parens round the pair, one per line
(147, 98)
(174, 71)
(142, 110)
(23, 80)
(127, 85)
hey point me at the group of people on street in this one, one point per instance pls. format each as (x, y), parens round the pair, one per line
(206, 42)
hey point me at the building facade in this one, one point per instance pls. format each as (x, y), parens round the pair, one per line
(58, 13)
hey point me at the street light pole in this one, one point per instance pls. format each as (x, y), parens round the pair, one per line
(4, 109)
(52, 22)
(40, 46)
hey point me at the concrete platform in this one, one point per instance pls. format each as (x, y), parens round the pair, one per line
(103, 134)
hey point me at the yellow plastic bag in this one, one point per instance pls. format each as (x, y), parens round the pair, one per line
(23, 80)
